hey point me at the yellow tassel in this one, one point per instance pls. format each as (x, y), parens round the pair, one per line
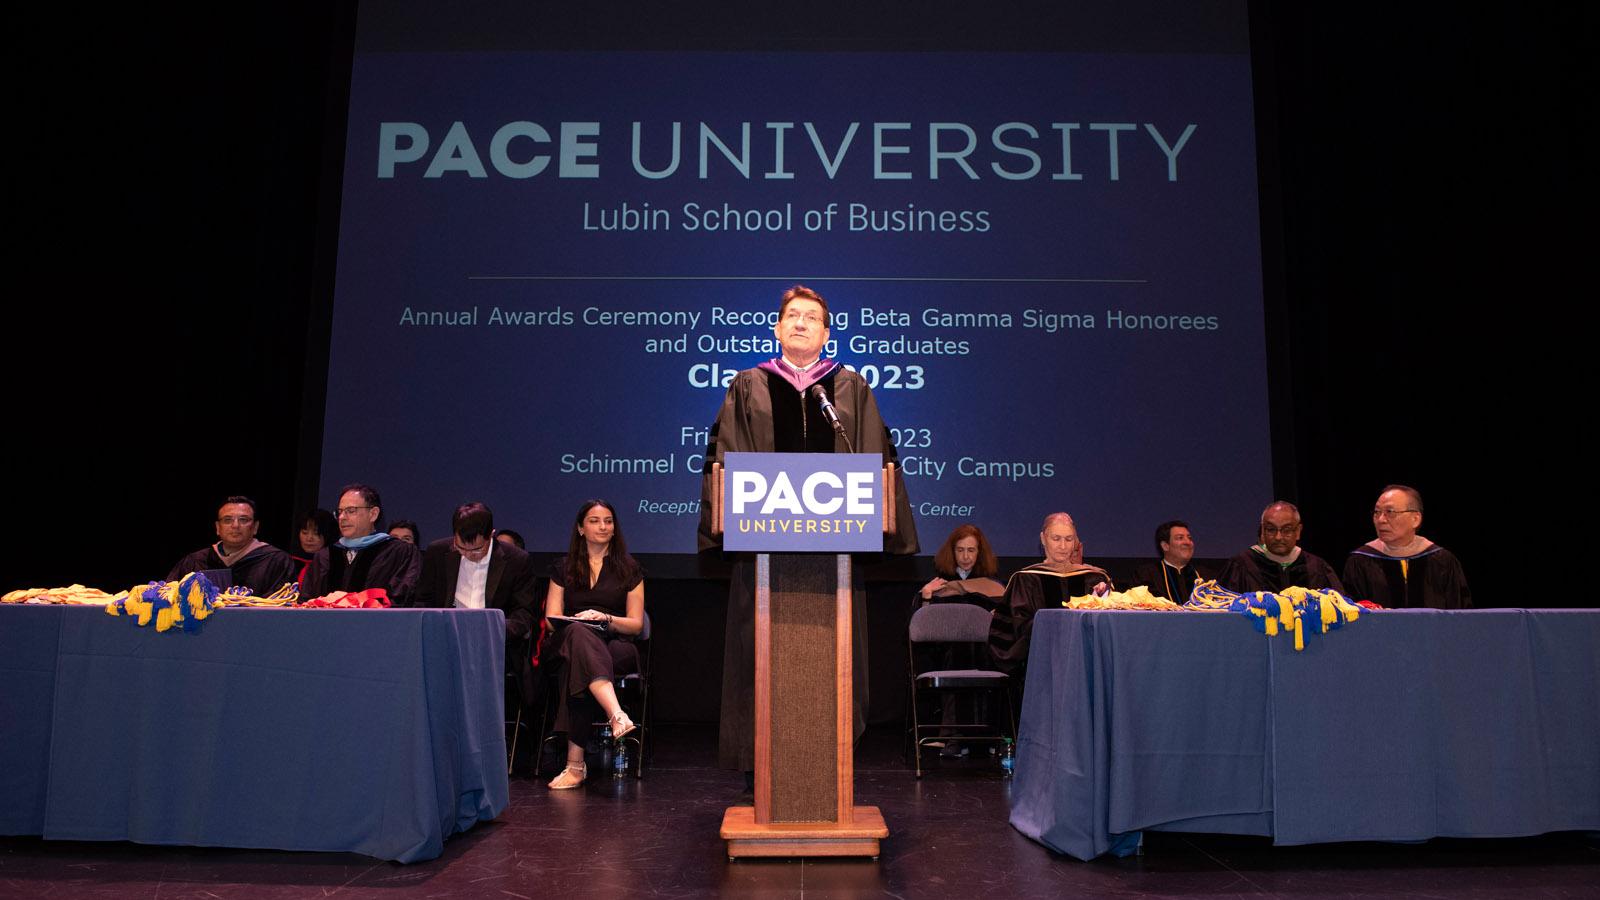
(137, 605)
(196, 601)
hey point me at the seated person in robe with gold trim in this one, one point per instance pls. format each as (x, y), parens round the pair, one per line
(1173, 575)
(1061, 576)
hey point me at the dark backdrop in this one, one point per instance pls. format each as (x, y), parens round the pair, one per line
(174, 185)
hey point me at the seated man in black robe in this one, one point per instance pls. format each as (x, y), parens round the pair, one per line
(364, 556)
(1278, 562)
(1401, 568)
(1174, 574)
(1043, 585)
(258, 566)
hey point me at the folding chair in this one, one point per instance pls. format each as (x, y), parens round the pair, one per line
(954, 625)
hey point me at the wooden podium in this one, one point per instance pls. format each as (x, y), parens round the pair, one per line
(804, 721)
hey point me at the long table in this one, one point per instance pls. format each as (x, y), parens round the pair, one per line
(374, 731)
(1404, 725)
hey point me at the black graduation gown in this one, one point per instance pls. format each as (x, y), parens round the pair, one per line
(393, 565)
(263, 570)
(1253, 571)
(1433, 578)
(1165, 581)
(764, 413)
(1028, 591)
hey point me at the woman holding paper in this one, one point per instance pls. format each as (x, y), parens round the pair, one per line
(604, 588)
(964, 569)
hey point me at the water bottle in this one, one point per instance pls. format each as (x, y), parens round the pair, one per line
(605, 745)
(619, 760)
(1008, 760)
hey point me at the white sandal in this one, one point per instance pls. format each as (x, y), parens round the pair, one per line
(562, 783)
(621, 726)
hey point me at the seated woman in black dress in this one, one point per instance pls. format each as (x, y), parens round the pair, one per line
(598, 582)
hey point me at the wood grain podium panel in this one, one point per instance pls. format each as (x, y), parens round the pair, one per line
(803, 713)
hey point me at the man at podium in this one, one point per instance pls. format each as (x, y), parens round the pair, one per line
(779, 406)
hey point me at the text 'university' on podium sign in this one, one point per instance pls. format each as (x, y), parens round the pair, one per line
(803, 502)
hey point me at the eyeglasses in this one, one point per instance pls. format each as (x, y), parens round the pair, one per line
(1273, 529)
(350, 510)
(235, 520)
(810, 318)
(1381, 513)
(472, 553)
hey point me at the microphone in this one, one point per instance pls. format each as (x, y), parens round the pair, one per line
(831, 414)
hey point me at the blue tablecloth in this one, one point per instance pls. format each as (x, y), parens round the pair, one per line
(1405, 725)
(374, 731)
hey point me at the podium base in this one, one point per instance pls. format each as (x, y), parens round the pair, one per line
(857, 838)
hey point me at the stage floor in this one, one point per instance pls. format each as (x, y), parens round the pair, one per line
(949, 837)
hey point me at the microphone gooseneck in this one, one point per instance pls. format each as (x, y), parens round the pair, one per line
(832, 415)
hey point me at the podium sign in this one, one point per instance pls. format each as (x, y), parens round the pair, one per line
(803, 502)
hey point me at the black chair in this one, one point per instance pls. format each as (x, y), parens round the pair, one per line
(958, 626)
(519, 700)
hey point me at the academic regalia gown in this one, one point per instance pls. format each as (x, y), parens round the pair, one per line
(1433, 578)
(262, 570)
(1254, 571)
(1164, 580)
(393, 565)
(763, 412)
(1028, 591)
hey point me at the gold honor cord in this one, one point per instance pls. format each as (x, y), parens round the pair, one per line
(1287, 609)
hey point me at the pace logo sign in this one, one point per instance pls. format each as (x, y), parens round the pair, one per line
(802, 502)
